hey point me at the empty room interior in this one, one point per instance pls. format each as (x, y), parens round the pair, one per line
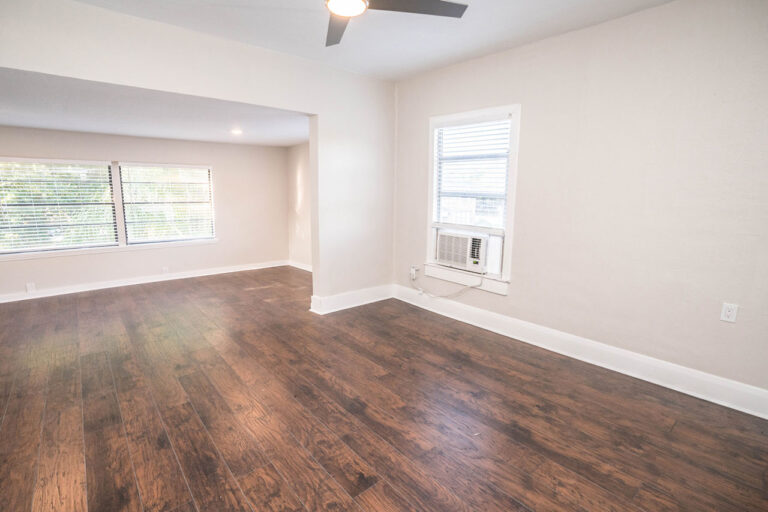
(384, 255)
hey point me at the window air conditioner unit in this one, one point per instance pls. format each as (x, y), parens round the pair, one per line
(464, 251)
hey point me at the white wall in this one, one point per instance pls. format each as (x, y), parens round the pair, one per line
(642, 200)
(352, 151)
(250, 199)
(299, 207)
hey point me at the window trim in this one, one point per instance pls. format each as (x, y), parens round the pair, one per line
(117, 199)
(53, 160)
(475, 116)
(122, 222)
(63, 253)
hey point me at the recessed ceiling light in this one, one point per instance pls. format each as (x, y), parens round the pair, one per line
(347, 8)
(236, 131)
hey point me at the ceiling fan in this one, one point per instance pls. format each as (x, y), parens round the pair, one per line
(343, 10)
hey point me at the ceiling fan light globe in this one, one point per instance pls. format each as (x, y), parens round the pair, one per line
(347, 8)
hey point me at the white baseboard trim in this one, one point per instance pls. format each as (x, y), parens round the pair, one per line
(302, 266)
(331, 303)
(729, 393)
(98, 285)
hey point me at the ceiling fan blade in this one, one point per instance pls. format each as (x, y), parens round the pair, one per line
(336, 28)
(434, 7)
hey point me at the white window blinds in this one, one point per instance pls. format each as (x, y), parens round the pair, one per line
(163, 204)
(46, 206)
(471, 167)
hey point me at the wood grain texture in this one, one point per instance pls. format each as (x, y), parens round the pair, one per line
(159, 477)
(236, 444)
(225, 393)
(213, 486)
(61, 469)
(269, 492)
(383, 498)
(20, 441)
(111, 481)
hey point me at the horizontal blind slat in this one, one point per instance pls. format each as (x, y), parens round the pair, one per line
(471, 163)
(166, 203)
(55, 205)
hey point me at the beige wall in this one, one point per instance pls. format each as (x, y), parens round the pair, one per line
(250, 198)
(352, 159)
(642, 200)
(299, 207)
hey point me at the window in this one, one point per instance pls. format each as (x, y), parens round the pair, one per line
(164, 204)
(471, 163)
(61, 205)
(55, 205)
(474, 157)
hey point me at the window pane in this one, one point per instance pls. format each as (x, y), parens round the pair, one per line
(166, 203)
(472, 211)
(45, 206)
(471, 163)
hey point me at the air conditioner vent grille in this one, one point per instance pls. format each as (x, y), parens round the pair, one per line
(453, 249)
(475, 253)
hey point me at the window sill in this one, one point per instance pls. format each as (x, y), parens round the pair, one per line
(63, 253)
(490, 284)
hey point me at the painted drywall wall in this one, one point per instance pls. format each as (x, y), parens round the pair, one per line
(642, 196)
(299, 210)
(250, 200)
(352, 150)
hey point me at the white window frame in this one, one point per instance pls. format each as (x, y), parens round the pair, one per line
(117, 198)
(492, 283)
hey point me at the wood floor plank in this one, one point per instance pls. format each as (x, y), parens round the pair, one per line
(235, 443)
(239, 395)
(307, 476)
(187, 507)
(416, 486)
(269, 492)
(158, 474)
(341, 462)
(213, 487)
(111, 481)
(315, 488)
(382, 498)
(412, 437)
(412, 481)
(20, 441)
(387, 423)
(6, 386)
(61, 475)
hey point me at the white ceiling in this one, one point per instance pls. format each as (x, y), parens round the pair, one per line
(36, 100)
(379, 43)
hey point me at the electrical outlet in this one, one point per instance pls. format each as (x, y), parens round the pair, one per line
(414, 272)
(729, 312)
(165, 270)
(31, 287)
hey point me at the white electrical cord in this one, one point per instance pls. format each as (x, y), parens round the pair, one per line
(449, 295)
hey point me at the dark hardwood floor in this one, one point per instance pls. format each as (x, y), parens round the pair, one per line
(224, 393)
